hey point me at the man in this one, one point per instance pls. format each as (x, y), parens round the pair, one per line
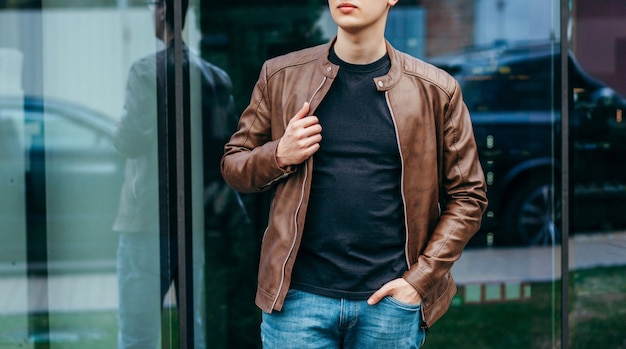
(148, 245)
(377, 188)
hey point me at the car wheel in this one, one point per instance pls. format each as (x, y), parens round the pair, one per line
(533, 216)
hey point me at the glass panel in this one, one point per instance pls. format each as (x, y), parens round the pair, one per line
(223, 244)
(509, 276)
(147, 245)
(598, 173)
(85, 252)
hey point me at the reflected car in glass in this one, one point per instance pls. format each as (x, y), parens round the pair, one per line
(63, 179)
(513, 92)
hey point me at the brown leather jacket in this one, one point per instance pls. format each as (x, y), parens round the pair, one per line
(443, 185)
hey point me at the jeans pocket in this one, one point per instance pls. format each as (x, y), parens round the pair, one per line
(403, 305)
(292, 292)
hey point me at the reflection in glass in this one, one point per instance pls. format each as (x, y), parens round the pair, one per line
(146, 256)
(148, 262)
(598, 171)
(511, 83)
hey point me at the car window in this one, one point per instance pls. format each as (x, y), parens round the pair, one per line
(64, 133)
(531, 85)
(61, 132)
(520, 86)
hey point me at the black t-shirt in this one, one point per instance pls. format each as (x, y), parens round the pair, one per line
(354, 236)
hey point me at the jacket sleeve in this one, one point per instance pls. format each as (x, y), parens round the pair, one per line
(136, 131)
(463, 199)
(249, 162)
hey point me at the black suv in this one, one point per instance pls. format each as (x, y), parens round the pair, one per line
(513, 92)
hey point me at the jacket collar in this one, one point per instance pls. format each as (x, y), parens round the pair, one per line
(325, 66)
(383, 83)
(386, 82)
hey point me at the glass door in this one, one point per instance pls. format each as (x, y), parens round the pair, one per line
(597, 134)
(89, 259)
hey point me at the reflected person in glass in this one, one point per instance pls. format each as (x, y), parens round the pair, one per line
(377, 188)
(147, 259)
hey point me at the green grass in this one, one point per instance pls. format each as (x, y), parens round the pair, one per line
(598, 309)
(77, 330)
(597, 317)
(597, 320)
(95, 330)
(529, 323)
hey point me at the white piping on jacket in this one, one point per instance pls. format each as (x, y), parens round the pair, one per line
(406, 222)
(295, 218)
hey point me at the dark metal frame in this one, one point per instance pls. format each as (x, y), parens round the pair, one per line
(183, 194)
(565, 180)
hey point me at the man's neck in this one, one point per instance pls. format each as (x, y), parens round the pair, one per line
(360, 49)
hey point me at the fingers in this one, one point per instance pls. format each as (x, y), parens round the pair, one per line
(304, 111)
(313, 130)
(378, 295)
(301, 138)
(302, 118)
(399, 289)
(304, 129)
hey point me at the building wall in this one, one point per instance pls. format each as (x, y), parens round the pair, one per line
(449, 25)
(455, 24)
(512, 20)
(599, 40)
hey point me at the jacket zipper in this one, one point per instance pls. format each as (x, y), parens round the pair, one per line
(423, 324)
(406, 223)
(317, 90)
(295, 217)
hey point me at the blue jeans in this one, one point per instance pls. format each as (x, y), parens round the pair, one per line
(310, 321)
(145, 270)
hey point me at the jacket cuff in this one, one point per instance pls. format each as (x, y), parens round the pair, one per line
(420, 281)
(280, 172)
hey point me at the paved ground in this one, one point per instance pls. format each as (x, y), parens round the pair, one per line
(477, 266)
(484, 265)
